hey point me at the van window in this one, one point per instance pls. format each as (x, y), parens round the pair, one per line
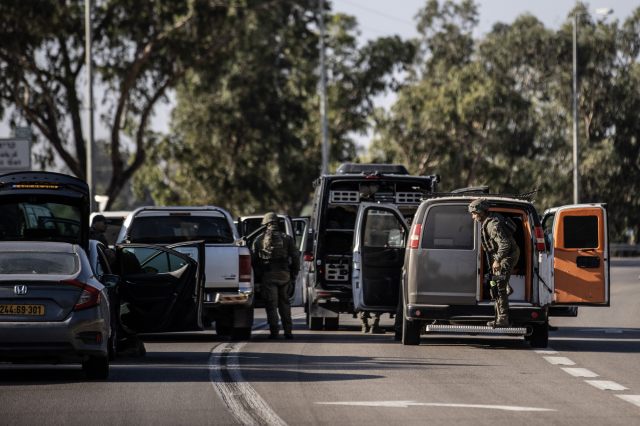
(449, 227)
(581, 232)
(383, 229)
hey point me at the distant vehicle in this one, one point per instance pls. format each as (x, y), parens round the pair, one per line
(445, 273)
(250, 227)
(329, 264)
(117, 218)
(52, 308)
(228, 292)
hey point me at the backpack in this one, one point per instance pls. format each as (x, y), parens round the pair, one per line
(274, 247)
(508, 224)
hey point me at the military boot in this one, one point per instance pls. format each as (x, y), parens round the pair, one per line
(288, 335)
(275, 334)
(365, 325)
(375, 328)
(500, 323)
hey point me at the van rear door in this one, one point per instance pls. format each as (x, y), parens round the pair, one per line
(580, 251)
(379, 245)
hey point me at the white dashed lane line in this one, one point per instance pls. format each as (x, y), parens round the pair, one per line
(634, 399)
(606, 385)
(546, 351)
(581, 372)
(559, 360)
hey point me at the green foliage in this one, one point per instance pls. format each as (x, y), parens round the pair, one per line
(497, 110)
(246, 133)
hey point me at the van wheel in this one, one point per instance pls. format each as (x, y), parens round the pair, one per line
(540, 335)
(223, 330)
(96, 368)
(241, 333)
(410, 332)
(332, 324)
(111, 346)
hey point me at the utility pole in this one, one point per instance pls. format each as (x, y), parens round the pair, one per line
(87, 30)
(323, 96)
(576, 171)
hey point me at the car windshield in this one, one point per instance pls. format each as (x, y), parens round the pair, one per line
(38, 262)
(40, 221)
(177, 228)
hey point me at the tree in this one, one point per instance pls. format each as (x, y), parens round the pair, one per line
(141, 48)
(247, 134)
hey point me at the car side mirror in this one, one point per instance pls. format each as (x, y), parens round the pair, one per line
(109, 280)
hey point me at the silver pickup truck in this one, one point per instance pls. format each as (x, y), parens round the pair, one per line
(229, 285)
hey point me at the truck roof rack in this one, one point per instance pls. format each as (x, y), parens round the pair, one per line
(369, 169)
(426, 195)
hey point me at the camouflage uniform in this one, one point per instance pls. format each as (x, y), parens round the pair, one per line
(277, 272)
(502, 246)
(375, 328)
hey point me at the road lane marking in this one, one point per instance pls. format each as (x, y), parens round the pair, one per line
(580, 372)
(605, 385)
(244, 403)
(559, 360)
(406, 404)
(610, 330)
(634, 399)
(546, 351)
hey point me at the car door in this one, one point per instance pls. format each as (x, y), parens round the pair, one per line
(162, 289)
(579, 244)
(300, 231)
(379, 243)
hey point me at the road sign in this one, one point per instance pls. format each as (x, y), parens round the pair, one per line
(15, 155)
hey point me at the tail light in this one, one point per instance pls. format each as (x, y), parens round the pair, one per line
(245, 268)
(539, 238)
(414, 240)
(308, 258)
(89, 297)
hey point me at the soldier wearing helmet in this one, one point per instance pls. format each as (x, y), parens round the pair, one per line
(276, 254)
(503, 250)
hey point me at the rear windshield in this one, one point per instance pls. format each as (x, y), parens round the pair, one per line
(40, 221)
(174, 229)
(38, 263)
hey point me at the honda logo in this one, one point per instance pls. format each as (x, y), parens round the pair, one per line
(20, 289)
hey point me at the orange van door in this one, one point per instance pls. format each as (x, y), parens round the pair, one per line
(581, 255)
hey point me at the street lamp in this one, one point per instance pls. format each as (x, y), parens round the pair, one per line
(576, 171)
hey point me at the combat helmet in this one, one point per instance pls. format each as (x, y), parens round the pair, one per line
(479, 206)
(269, 217)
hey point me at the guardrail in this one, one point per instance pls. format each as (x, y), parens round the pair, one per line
(624, 249)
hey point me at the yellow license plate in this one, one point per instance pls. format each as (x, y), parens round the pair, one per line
(21, 309)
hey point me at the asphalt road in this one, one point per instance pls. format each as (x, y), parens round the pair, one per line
(348, 378)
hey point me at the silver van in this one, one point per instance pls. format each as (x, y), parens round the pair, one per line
(441, 269)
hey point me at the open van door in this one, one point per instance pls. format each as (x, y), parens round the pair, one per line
(162, 288)
(379, 244)
(300, 232)
(580, 251)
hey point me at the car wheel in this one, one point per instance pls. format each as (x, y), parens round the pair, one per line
(96, 368)
(241, 333)
(410, 332)
(332, 324)
(111, 344)
(540, 335)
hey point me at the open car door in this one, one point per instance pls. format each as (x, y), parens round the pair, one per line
(579, 244)
(300, 230)
(162, 288)
(379, 244)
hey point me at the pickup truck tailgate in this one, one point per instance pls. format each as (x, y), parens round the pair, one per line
(222, 266)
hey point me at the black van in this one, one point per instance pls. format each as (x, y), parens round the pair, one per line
(328, 261)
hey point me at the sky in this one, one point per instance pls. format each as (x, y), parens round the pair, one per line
(379, 18)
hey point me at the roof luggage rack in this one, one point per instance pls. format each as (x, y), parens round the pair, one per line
(426, 195)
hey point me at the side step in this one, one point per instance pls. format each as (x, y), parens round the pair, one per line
(524, 331)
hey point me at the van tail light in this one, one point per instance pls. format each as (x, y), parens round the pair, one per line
(539, 238)
(414, 240)
(308, 258)
(89, 297)
(245, 268)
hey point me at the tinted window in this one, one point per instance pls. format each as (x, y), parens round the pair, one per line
(150, 261)
(298, 230)
(41, 263)
(173, 229)
(581, 232)
(547, 229)
(383, 229)
(46, 221)
(448, 227)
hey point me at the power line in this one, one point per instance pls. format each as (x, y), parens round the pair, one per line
(384, 15)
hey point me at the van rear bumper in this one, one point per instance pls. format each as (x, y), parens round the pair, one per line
(469, 313)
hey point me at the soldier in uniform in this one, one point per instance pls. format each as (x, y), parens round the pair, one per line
(98, 227)
(501, 245)
(276, 255)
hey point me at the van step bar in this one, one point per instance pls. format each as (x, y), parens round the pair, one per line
(524, 331)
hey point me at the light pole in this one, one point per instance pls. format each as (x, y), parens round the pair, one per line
(87, 30)
(576, 162)
(323, 97)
